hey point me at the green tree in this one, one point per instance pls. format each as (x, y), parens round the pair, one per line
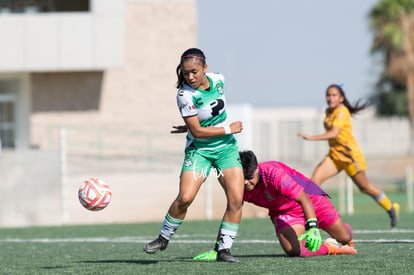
(392, 22)
(390, 99)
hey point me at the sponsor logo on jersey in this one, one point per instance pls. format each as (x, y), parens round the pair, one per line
(190, 108)
(188, 162)
(198, 101)
(285, 218)
(182, 105)
(187, 107)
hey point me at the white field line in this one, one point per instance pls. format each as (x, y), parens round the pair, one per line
(391, 231)
(394, 230)
(132, 240)
(181, 238)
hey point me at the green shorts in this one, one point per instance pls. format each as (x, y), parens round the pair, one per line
(202, 161)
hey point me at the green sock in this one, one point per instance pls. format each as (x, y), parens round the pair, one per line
(228, 232)
(169, 226)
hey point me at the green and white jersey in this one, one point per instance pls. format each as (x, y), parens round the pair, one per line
(209, 107)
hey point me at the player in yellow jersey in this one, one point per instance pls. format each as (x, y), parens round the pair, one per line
(344, 152)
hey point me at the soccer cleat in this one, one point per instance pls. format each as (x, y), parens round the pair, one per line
(337, 249)
(224, 255)
(208, 256)
(159, 243)
(394, 214)
(351, 244)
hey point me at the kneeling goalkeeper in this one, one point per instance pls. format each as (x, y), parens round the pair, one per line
(297, 207)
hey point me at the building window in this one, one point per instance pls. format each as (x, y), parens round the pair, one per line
(7, 131)
(8, 98)
(37, 6)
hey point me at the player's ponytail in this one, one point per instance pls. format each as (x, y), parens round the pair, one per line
(190, 53)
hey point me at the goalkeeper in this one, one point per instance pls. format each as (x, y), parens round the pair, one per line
(298, 208)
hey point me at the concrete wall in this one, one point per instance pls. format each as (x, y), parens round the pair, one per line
(30, 190)
(138, 95)
(66, 92)
(64, 41)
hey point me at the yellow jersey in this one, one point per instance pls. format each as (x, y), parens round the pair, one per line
(344, 147)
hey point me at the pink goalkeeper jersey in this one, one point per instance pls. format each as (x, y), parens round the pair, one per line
(278, 187)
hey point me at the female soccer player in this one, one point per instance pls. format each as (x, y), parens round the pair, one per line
(297, 207)
(344, 152)
(210, 143)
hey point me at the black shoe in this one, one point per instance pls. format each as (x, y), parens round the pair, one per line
(224, 255)
(394, 213)
(159, 243)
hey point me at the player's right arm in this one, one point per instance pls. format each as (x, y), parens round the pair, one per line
(330, 134)
(235, 128)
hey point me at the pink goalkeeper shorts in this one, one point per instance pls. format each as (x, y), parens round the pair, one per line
(324, 209)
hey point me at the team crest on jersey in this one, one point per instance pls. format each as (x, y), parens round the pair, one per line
(270, 198)
(219, 87)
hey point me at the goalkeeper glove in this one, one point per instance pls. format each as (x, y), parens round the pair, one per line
(312, 235)
(209, 255)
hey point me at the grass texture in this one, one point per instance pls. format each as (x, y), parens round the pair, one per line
(117, 249)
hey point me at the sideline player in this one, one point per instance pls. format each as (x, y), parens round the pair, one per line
(297, 207)
(344, 152)
(210, 143)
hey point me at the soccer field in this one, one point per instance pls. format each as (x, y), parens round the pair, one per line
(117, 249)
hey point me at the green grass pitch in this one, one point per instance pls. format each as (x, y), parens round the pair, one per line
(117, 249)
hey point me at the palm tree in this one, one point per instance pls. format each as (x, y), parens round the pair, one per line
(392, 22)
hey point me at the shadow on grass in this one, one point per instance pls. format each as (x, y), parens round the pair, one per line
(141, 262)
(262, 256)
(182, 259)
(54, 267)
(271, 256)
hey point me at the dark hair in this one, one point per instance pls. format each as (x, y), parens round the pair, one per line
(190, 53)
(249, 162)
(353, 109)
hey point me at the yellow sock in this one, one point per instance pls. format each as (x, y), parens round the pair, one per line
(384, 201)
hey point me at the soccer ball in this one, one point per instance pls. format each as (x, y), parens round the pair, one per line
(94, 194)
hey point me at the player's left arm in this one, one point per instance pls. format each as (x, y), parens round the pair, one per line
(307, 206)
(198, 131)
(312, 235)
